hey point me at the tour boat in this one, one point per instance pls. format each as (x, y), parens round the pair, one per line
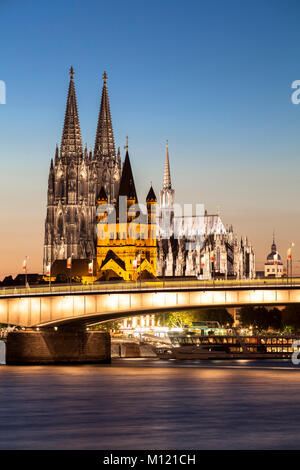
(187, 347)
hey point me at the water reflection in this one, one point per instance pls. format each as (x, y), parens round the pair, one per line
(136, 404)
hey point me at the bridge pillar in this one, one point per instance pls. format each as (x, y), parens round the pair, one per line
(64, 346)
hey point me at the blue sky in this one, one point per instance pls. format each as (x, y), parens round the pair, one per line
(212, 77)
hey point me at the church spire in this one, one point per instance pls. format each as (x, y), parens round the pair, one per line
(167, 198)
(127, 186)
(167, 175)
(104, 144)
(56, 154)
(71, 144)
(273, 247)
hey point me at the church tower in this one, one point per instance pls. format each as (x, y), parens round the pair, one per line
(126, 246)
(107, 163)
(75, 180)
(166, 200)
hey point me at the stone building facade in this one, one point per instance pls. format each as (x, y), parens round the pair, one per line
(126, 246)
(198, 246)
(75, 179)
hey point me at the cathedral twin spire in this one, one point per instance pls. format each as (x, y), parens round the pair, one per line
(104, 143)
(71, 143)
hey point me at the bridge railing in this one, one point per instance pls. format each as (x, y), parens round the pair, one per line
(145, 285)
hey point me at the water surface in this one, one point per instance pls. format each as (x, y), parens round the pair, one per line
(150, 404)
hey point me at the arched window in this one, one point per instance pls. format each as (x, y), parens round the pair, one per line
(60, 225)
(82, 227)
(61, 188)
(218, 259)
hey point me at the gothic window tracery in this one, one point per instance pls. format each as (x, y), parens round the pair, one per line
(60, 225)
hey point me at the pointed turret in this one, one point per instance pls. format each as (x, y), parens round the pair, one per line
(151, 213)
(127, 186)
(71, 144)
(151, 195)
(167, 175)
(51, 183)
(104, 144)
(102, 196)
(56, 155)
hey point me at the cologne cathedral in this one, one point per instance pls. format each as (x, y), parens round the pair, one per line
(75, 179)
(81, 182)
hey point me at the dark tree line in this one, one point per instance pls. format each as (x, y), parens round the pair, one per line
(187, 317)
(263, 319)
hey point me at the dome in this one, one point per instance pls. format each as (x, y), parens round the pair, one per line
(270, 257)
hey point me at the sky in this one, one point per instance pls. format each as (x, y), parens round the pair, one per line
(214, 78)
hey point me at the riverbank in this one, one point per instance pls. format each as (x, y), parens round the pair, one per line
(131, 349)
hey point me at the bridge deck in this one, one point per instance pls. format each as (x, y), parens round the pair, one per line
(110, 287)
(91, 304)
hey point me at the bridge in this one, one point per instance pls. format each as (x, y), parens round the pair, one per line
(83, 305)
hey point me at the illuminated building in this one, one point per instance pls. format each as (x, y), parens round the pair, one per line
(199, 245)
(273, 265)
(80, 182)
(75, 179)
(126, 246)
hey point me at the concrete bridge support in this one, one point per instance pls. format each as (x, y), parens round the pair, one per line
(64, 346)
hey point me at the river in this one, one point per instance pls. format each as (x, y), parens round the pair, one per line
(151, 404)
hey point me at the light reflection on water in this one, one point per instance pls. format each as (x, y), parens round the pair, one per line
(136, 404)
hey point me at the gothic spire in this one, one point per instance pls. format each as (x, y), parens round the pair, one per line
(104, 144)
(167, 174)
(56, 154)
(71, 144)
(127, 186)
(151, 195)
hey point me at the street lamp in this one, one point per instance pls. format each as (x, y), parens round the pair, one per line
(69, 266)
(48, 273)
(24, 267)
(212, 259)
(202, 265)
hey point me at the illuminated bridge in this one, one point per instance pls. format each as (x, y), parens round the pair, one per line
(83, 305)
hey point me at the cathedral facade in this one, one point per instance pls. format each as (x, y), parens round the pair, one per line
(75, 179)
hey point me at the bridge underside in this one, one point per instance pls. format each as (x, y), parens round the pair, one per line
(84, 309)
(85, 322)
